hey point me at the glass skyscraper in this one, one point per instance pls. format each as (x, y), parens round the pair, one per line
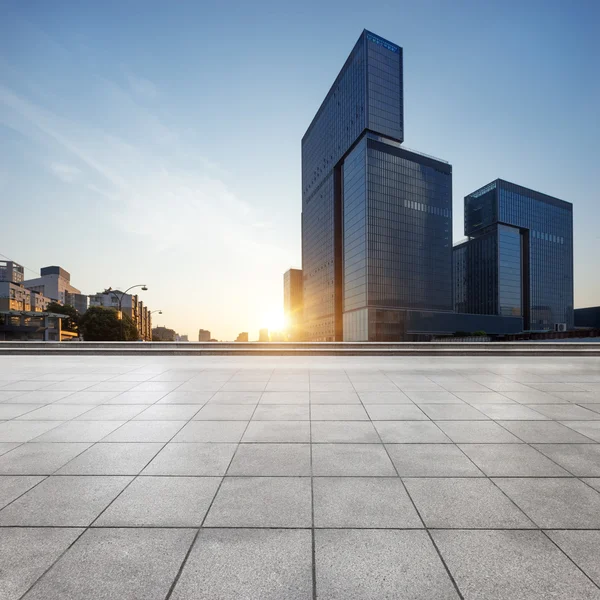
(519, 258)
(376, 217)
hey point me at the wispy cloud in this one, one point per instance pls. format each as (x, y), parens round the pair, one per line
(66, 173)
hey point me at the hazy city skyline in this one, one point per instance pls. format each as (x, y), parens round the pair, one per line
(163, 147)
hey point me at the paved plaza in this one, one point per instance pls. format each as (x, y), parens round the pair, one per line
(278, 478)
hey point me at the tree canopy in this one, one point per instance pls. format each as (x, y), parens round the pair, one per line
(70, 323)
(100, 324)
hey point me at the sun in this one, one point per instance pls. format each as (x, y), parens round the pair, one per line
(274, 320)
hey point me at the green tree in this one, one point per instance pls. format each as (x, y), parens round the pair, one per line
(100, 324)
(72, 321)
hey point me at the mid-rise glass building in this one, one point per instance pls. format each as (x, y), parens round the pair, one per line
(518, 260)
(376, 217)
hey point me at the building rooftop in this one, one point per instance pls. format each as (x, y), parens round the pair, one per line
(299, 477)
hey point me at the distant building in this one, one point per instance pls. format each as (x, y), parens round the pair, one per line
(204, 335)
(518, 260)
(130, 305)
(163, 334)
(181, 338)
(53, 282)
(11, 271)
(587, 318)
(78, 301)
(292, 303)
(242, 337)
(263, 335)
(278, 336)
(14, 296)
(32, 326)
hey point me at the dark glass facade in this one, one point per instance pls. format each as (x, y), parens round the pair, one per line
(366, 96)
(519, 260)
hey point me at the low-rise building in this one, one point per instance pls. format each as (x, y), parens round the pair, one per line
(204, 335)
(263, 335)
(242, 337)
(54, 282)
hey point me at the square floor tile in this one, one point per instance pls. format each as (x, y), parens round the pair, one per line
(63, 501)
(189, 397)
(371, 502)
(590, 429)
(567, 412)
(38, 459)
(211, 431)
(145, 431)
(334, 398)
(261, 502)
(513, 412)
(161, 502)
(136, 398)
(236, 398)
(281, 412)
(374, 386)
(512, 460)
(155, 386)
(555, 503)
(87, 397)
(434, 398)
(366, 460)
(533, 397)
(230, 564)
(10, 411)
(354, 564)
(393, 398)
(506, 565)
(476, 398)
(331, 386)
(477, 432)
(285, 398)
(277, 431)
(431, 460)
(453, 412)
(410, 432)
(358, 432)
(271, 460)
(79, 431)
(338, 412)
(395, 412)
(112, 412)
(472, 503)
(23, 431)
(12, 486)
(544, 432)
(56, 412)
(244, 386)
(225, 412)
(582, 547)
(112, 459)
(117, 563)
(582, 460)
(26, 553)
(168, 412)
(202, 459)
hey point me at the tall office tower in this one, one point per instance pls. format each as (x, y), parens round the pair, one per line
(292, 303)
(518, 260)
(376, 218)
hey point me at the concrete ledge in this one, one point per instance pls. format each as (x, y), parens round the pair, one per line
(302, 349)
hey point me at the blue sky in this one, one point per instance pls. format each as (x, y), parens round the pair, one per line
(159, 142)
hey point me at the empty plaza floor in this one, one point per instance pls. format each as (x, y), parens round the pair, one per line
(280, 478)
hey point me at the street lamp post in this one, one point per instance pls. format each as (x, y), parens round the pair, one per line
(120, 299)
(158, 310)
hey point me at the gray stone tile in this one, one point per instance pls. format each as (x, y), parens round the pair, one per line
(365, 460)
(358, 432)
(262, 502)
(593, 482)
(23, 431)
(506, 386)
(112, 459)
(271, 459)
(25, 553)
(6, 396)
(87, 397)
(211, 431)
(578, 397)
(553, 387)
(395, 412)
(410, 432)
(373, 502)
(209, 460)
(510, 412)
(236, 398)
(63, 501)
(278, 431)
(113, 412)
(582, 547)
(55, 412)
(285, 398)
(334, 398)
(186, 397)
(420, 386)
(145, 431)
(582, 460)
(533, 397)
(155, 386)
(471, 503)
(338, 412)
(129, 564)
(434, 398)
(225, 412)
(136, 398)
(544, 432)
(554, 503)
(10, 411)
(374, 386)
(168, 412)
(593, 407)
(23, 385)
(265, 564)
(7, 447)
(512, 460)
(476, 398)
(161, 502)
(567, 412)
(511, 565)
(477, 432)
(393, 398)
(463, 385)
(431, 460)
(12, 486)
(354, 564)
(453, 412)
(331, 386)
(281, 412)
(79, 431)
(38, 459)
(245, 386)
(199, 386)
(111, 386)
(591, 429)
